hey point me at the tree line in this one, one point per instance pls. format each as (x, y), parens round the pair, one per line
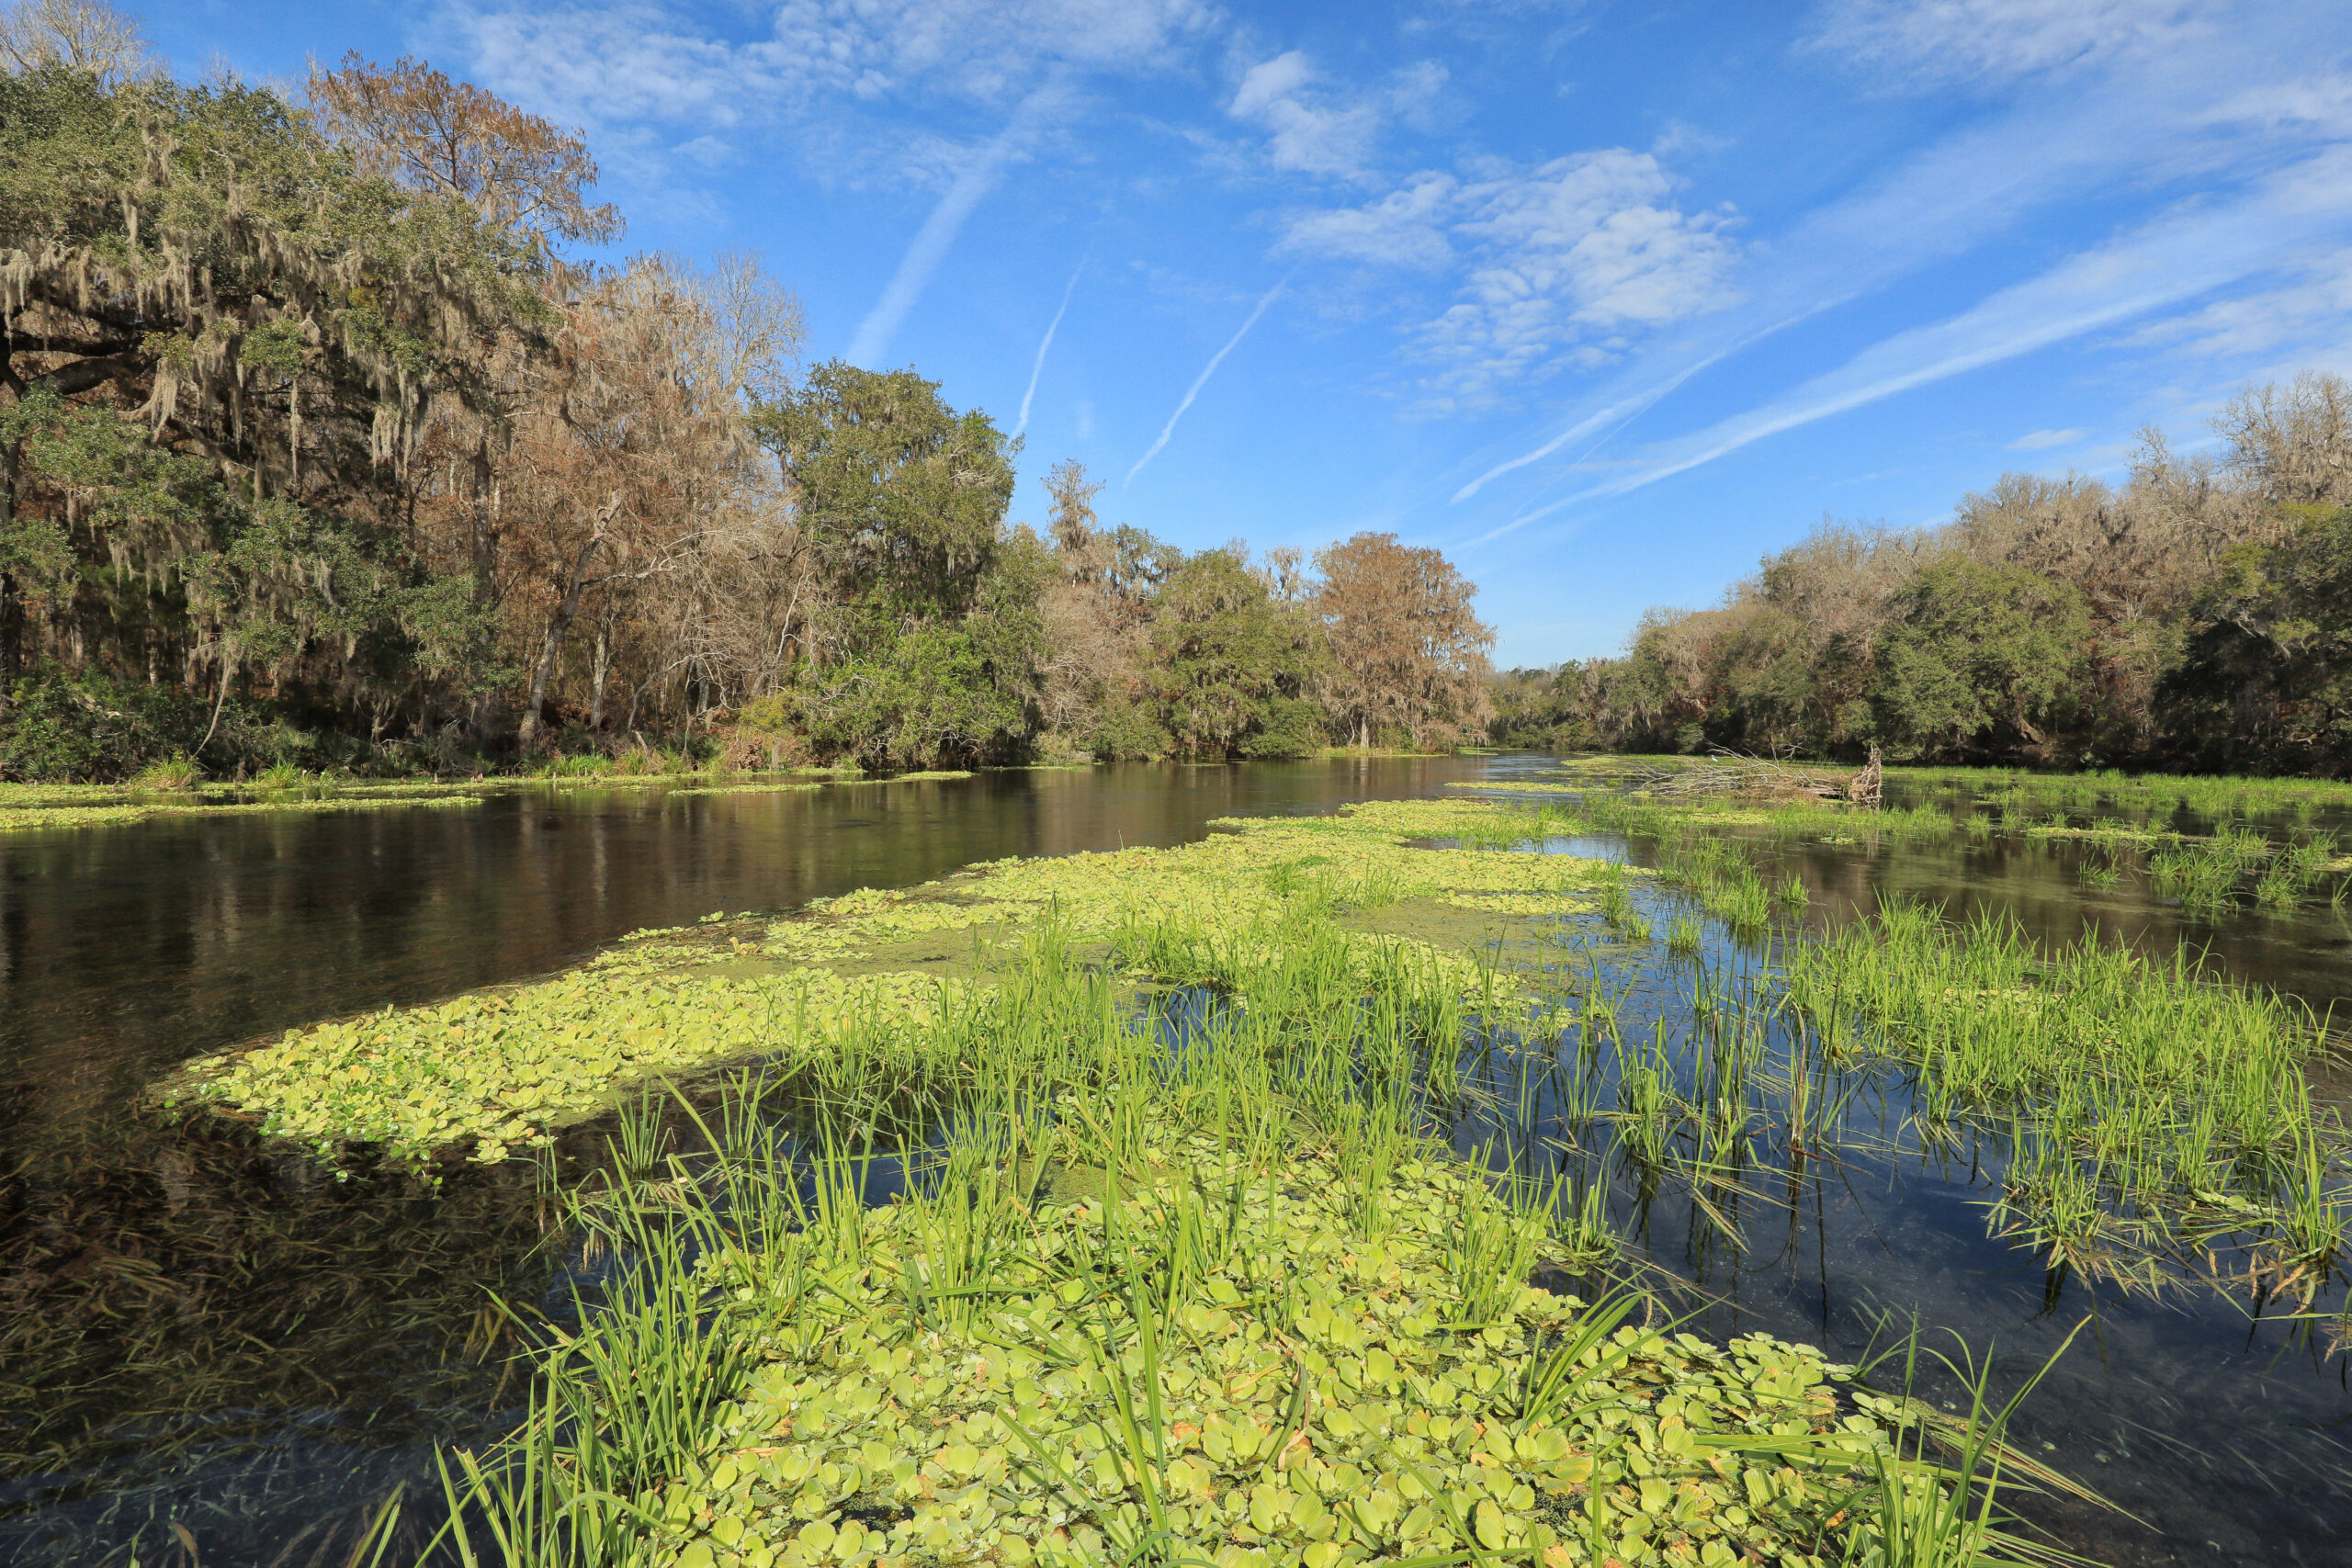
(2197, 616)
(319, 445)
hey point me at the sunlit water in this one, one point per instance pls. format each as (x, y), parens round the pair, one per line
(214, 1354)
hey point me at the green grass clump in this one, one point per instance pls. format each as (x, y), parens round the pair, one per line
(2133, 1092)
(1152, 1302)
(178, 771)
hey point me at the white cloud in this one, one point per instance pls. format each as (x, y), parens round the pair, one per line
(1563, 260)
(653, 60)
(2307, 308)
(2199, 248)
(2044, 440)
(2003, 39)
(1307, 133)
(1406, 228)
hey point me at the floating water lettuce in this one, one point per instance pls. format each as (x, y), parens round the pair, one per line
(501, 1069)
(1307, 1395)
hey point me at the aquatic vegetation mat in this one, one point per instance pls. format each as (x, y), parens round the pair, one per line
(1304, 1394)
(1198, 1295)
(28, 807)
(496, 1069)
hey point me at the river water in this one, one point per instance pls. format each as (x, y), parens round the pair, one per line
(214, 1355)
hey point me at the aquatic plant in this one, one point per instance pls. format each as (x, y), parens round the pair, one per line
(490, 1072)
(1136, 1312)
(178, 771)
(2126, 1084)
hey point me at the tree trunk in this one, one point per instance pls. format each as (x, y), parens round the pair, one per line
(11, 602)
(600, 664)
(567, 610)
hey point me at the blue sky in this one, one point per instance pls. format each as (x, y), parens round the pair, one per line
(1606, 301)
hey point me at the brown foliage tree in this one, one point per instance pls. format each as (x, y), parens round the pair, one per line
(1407, 652)
(635, 472)
(412, 125)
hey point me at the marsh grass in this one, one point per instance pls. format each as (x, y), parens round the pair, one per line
(178, 771)
(1129, 1306)
(2133, 1109)
(2125, 1086)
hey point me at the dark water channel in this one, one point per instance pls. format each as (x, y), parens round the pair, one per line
(2218, 1421)
(213, 1355)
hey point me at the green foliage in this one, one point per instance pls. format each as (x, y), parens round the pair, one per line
(1230, 661)
(1126, 729)
(283, 324)
(933, 693)
(1979, 656)
(928, 648)
(2266, 682)
(902, 497)
(91, 727)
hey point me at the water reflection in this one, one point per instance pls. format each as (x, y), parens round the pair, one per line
(195, 1334)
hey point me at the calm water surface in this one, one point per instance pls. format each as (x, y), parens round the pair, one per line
(211, 1354)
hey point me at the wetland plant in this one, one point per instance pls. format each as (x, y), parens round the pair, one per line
(1683, 935)
(1135, 1329)
(178, 771)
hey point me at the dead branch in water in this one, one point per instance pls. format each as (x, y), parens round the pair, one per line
(1745, 776)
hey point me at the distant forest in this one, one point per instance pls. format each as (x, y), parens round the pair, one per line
(2199, 617)
(317, 449)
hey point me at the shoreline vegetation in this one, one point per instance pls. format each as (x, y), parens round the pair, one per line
(1180, 1254)
(404, 488)
(2196, 619)
(282, 788)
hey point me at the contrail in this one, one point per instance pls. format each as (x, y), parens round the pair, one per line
(1038, 369)
(939, 230)
(1621, 412)
(1203, 378)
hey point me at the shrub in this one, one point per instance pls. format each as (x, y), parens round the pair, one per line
(61, 727)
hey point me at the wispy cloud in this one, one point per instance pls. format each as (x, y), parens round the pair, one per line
(2187, 112)
(656, 60)
(946, 222)
(1562, 261)
(857, 79)
(1203, 378)
(2176, 258)
(2044, 440)
(2003, 39)
(1600, 425)
(1038, 369)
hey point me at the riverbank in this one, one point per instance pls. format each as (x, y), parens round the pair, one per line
(26, 807)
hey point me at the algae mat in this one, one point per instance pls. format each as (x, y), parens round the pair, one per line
(492, 1071)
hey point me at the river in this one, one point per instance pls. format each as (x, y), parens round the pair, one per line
(212, 1354)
